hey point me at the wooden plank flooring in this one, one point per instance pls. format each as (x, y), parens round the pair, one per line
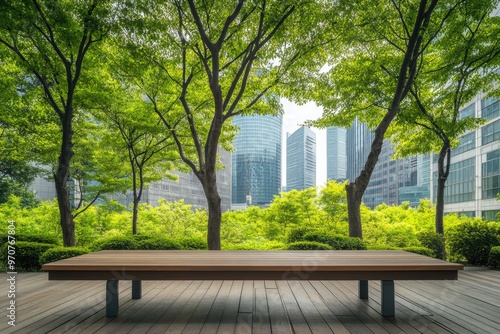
(469, 305)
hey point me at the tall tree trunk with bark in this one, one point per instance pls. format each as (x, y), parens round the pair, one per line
(61, 181)
(443, 172)
(214, 212)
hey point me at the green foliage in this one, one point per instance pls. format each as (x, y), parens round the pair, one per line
(192, 243)
(420, 250)
(380, 247)
(308, 245)
(494, 257)
(43, 239)
(297, 234)
(435, 242)
(27, 255)
(117, 243)
(158, 244)
(337, 242)
(473, 240)
(61, 253)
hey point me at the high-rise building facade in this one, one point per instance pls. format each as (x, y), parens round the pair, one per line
(256, 160)
(187, 188)
(336, 158)
(474, 179)
(301, 159)
(422, 190)
(358, 145)
(389, 175)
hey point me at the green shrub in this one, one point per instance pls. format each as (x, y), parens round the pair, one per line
(61, 253)
(158, 244)
(193, 243)
(420, 250)
(117, 243)
(297, 234)
(435, 242)
(42, 239)
(337, 242)
(473, 240)
(494, 257)
(27, 255)
(380, 247)
(308, 245)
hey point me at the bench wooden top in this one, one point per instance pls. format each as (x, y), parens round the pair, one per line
(137, 261)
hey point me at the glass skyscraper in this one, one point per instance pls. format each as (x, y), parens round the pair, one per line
(301, 159)
(336, 163)
(256, 159)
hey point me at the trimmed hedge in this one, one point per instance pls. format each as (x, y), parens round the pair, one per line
(117, 243)
(337, 242)
(61, 253)
(473, 241)
(435, 242)
(43, 239)
(297, 234)
(27, 255)
(193, 243)
(158, 244)
(420, 250)
(308, 245)
(494, 257)
(134, 242)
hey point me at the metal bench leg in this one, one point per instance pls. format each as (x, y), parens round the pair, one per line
(363, 289)
(112, 298)
(136, 289)
(388, 304)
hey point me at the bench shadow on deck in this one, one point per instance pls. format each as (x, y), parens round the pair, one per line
(469, 305)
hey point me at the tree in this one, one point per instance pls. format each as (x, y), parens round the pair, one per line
(50, 41)
(143, 144)
(463, 66)
(333, 201)
(215, 61)
(387, 44)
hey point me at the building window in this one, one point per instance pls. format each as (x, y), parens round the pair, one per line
(470, 214)
(491, 132)
(490, 108)
(491, 215)
(491, 175)
(467, 112)
(467, 143)
(460, 184)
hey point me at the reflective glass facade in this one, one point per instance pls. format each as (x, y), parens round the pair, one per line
(336, 163)
(301, 159)
(460, 186)
(257, 159)
(491, 175)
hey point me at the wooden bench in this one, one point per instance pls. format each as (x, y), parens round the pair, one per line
(139, 265)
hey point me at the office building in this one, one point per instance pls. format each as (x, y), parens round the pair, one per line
(422, 190)
(256, 161)
(301, 159)
(474, 179)
(358, 145)
(336, 158)
(189, 188)
(389, 175)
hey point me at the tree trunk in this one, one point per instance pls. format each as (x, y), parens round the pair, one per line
(135, 213)
(61, 181)
(353, 211)
(443, 172)
(214, 211)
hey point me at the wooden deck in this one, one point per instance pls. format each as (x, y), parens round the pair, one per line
(469, 305)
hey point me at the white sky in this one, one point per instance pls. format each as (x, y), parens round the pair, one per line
(294, 116)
